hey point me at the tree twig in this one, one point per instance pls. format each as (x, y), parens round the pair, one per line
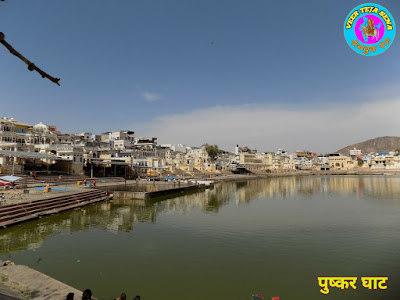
(31, 66)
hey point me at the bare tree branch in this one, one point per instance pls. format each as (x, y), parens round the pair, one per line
(31, 66)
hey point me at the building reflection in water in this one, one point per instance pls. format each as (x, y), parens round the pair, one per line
(121, 215)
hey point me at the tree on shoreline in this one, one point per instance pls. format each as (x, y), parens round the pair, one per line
(360, 162)
(213, 151)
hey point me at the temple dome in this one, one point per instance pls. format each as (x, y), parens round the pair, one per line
(41, 128)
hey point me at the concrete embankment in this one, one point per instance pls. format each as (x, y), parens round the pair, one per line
(149, 195)
(148, 190)
(21, 282)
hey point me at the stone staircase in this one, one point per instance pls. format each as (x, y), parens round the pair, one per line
(17, 213)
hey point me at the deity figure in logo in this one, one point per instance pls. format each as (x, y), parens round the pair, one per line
(369, 29)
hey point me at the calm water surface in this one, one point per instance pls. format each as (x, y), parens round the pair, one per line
(269, 236)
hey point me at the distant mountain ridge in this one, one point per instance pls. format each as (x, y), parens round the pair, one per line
(379, 144)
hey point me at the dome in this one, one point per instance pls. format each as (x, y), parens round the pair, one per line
(41, 128)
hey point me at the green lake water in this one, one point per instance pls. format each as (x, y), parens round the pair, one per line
(269, 236)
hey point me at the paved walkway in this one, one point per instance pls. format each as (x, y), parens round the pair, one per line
(32, 284)
(17, 196)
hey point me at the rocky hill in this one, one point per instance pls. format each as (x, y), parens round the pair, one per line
(379, 144)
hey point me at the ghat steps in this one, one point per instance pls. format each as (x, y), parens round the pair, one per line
(17, 213)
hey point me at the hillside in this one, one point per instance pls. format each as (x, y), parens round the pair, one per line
(379, 144)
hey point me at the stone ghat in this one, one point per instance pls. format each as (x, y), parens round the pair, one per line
(21, 282)
(16, 213)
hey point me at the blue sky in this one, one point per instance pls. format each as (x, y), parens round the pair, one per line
(268, 74)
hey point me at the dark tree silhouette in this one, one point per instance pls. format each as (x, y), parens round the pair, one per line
(31, 65)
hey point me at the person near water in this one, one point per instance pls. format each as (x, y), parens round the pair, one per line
(87, 295)
(70, 296)
(122, 297)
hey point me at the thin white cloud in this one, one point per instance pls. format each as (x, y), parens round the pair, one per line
(151, 97)
(267, 129)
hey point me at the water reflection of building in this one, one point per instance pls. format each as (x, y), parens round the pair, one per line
(279, 187)
(209, 200)
(111, 215)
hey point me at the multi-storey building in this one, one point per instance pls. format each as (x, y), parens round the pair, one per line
(24, 144)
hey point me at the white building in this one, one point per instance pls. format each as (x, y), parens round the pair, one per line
(179, 148)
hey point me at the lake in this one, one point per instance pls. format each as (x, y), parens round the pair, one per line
(269, 236)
